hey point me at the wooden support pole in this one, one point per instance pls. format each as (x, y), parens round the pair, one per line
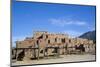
(16, 54)
(58, 51)
(34, 53)
(66, 49)
(24, 52)
(38, 52)
(47, 52)
(63, 50)
(44, 52)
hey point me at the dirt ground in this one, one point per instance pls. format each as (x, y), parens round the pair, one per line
(61, 58)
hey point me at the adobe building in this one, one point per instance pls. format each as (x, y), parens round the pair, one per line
(43, 44)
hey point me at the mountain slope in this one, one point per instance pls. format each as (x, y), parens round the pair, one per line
(91, 35)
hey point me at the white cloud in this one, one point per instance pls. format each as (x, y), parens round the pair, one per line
(72, 33)
(91, 27)
(80, 23)
(64, 22)
(17, 38)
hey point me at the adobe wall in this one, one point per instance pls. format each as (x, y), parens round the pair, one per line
(45, 39)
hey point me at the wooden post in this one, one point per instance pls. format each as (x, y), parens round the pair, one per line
(38, 49)
(16, 54)
(44, 52)
(47, 52)
(16, 50)
(24, 52)
(34, 53)
(66, 48)
(58, 51)
(38, 52)
(63, 50)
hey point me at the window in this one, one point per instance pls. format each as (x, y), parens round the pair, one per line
(69, 40)
(48, 41)
(63, 40)
(37, 42)
(55, 39)
(46, 36)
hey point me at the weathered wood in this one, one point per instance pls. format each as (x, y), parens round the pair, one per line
(44, 52)
(34, 53)
(26, 48)
(58, 51)
(38, 53)
(16, 54)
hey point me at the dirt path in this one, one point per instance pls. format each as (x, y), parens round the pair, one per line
(62, 58)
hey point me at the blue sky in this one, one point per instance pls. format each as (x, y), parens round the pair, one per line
(31, 16)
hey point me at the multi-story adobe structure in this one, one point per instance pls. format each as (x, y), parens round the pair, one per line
(45, 44)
